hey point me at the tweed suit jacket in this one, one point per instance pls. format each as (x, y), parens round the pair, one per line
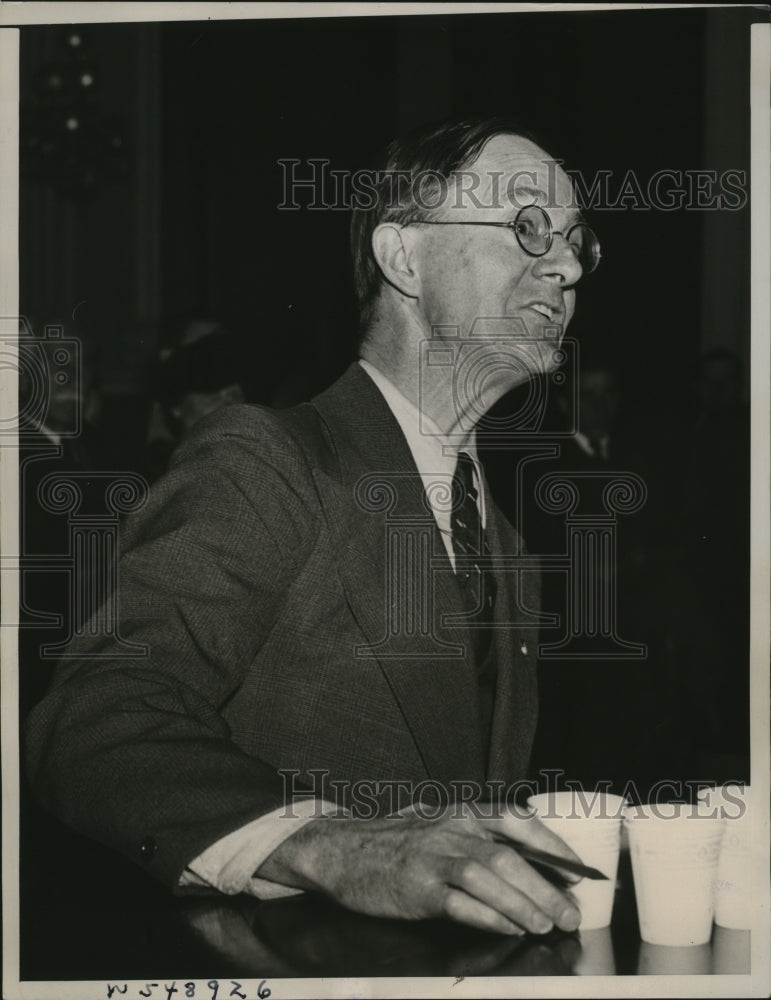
(258, 577)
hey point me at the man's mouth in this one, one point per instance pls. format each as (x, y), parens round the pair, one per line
(552, 313)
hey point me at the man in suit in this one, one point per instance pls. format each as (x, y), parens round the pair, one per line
(318, 594)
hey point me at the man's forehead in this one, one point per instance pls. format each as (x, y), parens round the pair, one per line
(514, 164)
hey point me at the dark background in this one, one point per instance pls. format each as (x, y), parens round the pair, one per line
(165, 205)
(207, 110)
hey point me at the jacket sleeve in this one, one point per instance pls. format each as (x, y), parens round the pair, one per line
(134, 751)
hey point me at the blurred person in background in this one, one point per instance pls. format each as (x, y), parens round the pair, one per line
(198, 376)
(655, 716)
(583, 421)
(59, 437)
(599, 396)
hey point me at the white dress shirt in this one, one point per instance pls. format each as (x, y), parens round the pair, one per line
(229, 864)
(434, 454)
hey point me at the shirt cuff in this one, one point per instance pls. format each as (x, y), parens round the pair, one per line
(230, 863)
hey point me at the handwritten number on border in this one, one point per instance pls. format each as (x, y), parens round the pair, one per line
(116, 990)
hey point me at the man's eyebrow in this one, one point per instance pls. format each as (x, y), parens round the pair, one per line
(539, 196)
(537, 193)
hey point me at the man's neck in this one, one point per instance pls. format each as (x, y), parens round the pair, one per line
(428, 387)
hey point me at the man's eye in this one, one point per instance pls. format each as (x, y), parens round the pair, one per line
(524, 228)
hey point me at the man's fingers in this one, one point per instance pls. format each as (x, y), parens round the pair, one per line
(559, 906)
(513, 889)
(459, 906)
(478, 881)
(534, 833)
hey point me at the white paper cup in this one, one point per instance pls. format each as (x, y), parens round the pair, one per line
(661, 960)
(597, 957)
(675, 850)
(589, 823)
(730, 952)
(733, 903)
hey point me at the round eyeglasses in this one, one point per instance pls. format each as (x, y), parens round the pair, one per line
(533, 230)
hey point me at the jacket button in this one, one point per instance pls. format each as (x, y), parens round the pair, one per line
(148, 849)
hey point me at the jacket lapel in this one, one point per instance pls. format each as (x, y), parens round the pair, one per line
(396, 575)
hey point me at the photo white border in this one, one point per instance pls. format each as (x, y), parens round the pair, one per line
(758, 983)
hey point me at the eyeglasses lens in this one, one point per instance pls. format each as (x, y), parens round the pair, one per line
(534, 232)
(586, 246)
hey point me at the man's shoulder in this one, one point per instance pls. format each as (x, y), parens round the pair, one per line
(265, 435)
(243, 463)
(252, 421)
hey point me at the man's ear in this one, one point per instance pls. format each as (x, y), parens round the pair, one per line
(392, 247)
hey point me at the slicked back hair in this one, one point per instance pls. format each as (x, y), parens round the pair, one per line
(427, 153)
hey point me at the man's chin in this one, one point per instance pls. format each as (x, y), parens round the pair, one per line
(539, 327)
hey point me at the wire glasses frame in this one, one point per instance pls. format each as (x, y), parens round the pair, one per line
(535, 235)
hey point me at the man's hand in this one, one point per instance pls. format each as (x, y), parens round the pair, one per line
(413, 868)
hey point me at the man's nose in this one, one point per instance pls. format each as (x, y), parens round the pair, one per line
(560, 263)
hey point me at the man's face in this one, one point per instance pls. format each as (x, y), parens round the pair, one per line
(480, 272)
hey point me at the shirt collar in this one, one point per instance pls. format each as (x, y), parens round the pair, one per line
(434, 454)
(432, 450)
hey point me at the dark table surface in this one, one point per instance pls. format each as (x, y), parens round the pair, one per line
(97, 917)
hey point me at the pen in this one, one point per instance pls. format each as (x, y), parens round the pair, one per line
(551, 861)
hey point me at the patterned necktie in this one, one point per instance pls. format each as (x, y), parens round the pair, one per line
(469, 543)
